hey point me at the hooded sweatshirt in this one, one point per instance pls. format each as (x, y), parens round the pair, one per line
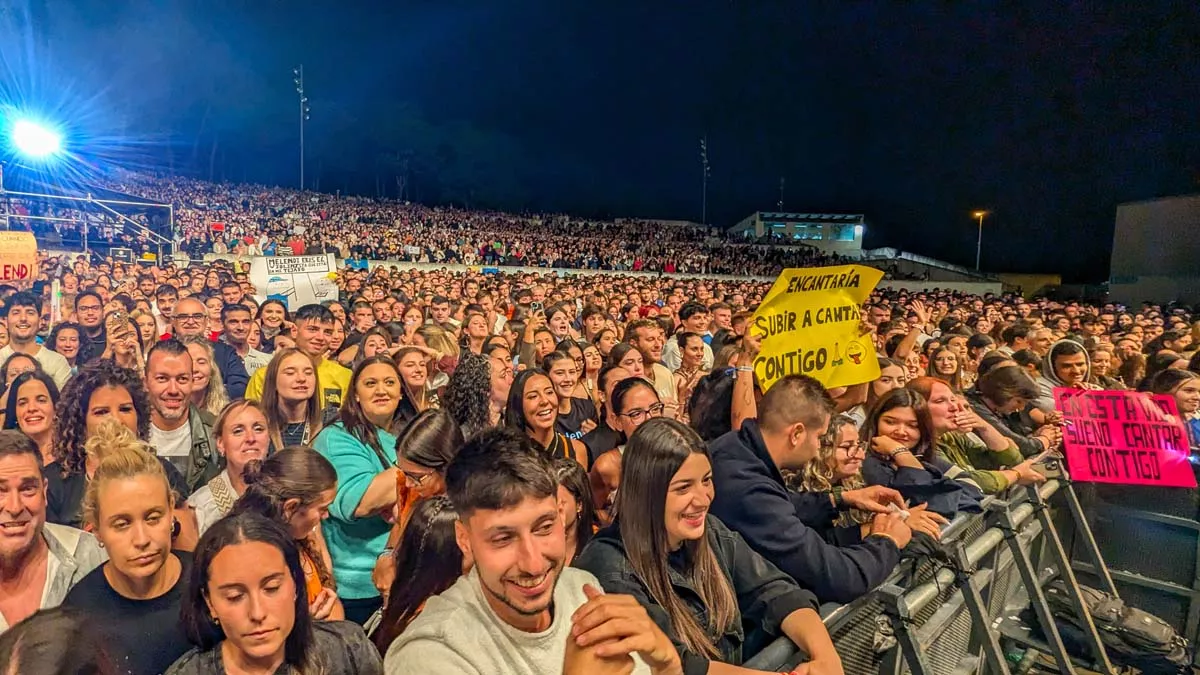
(1048, 380)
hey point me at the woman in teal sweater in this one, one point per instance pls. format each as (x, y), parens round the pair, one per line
(362, 448)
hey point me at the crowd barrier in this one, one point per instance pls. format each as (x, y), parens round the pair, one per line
(961, 611)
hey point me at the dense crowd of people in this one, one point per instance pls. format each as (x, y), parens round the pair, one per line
(260, 220)
(447, 472)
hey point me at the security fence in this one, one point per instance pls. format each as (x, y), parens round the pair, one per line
(978, 605)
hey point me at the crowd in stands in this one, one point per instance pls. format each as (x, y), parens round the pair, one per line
(492, 473)
(260, 220)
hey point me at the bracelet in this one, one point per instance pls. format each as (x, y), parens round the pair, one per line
(839, 502)
(744, 369)
(386, 552)
(900, 451)
(885, 535)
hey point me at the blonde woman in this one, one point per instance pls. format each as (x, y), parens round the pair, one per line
(838, 464)
(208, 389)
(134, 597)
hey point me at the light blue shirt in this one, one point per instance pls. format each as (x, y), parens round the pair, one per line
(354, 543)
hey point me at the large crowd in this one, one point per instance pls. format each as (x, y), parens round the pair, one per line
(445, 472)
(261, 220)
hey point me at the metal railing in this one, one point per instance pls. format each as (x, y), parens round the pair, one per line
(963, 612)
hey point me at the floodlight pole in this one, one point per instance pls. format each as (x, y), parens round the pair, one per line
(704, 180)
(299, 80)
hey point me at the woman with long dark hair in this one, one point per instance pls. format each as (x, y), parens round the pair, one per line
(1184, 387)
(575, 503)
(576, 416)
(663, 532)
(424, 448)
(899, 437)
(30, 408)
(291, 399)
(428, 561)
(361, 446)
(533, 409)
(65, 339)
(294, 487)
(56, 641)
(273, 318)
(247, 610)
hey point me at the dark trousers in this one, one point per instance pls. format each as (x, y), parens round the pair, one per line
(359, 610)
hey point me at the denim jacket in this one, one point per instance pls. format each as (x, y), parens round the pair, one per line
(765, 596)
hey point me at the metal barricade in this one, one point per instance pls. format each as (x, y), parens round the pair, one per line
(955, 615)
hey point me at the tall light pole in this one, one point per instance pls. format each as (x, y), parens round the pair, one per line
(979, 239)
(299, 80)
(704, 178)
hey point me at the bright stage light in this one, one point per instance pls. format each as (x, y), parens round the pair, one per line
(34, 140)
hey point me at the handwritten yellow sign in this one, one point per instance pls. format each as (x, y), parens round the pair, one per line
(809, 322)
(18, 256)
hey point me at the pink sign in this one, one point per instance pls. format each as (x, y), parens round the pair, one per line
(1126, 437)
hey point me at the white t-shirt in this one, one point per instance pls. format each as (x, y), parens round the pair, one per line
(54, 364)
(173, 446)
(458, 634)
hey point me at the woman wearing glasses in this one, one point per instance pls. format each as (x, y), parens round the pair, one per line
(423, 451)
(838, 464)
(634, 402)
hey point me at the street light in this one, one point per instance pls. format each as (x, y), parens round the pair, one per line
(979, 240)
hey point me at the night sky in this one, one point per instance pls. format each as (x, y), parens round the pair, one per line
(1048, 114)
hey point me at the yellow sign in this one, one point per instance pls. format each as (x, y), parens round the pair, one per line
(809, 322)
(18, 256)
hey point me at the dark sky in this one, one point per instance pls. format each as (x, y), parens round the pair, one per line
(1048, 114)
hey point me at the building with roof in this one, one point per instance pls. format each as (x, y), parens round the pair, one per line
(839, 233)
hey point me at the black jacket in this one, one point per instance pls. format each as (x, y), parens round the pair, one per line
(752, 500)
(1026, 444)
(765, 596)
(233, 370)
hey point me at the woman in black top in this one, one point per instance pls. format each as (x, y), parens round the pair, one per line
(533, 409)
(99, 392)
(576, 416)
(135, 596)
(291, 400)
(247, 609)
(698, 580)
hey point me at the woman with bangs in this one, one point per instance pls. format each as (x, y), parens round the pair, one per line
(291, 400)
(892, 375)
(902, 455)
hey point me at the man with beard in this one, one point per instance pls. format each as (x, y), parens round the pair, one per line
(23, 315)
(516, 610)
(190, 319)
(179, 432)
(646, 336)
(39, 561)
(89, 313)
